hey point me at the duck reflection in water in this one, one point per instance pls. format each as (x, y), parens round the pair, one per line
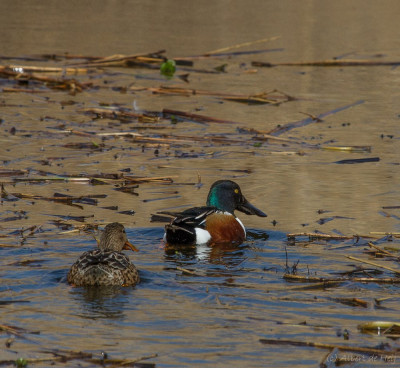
(227, 254)
(106, 302)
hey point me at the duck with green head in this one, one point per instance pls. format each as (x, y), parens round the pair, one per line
(214, 223)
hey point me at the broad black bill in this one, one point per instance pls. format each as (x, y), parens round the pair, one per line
(247, 208)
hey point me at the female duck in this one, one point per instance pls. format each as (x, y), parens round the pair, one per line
(214, 223)
(107, 265)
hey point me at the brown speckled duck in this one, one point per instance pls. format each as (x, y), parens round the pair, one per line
(107, 265)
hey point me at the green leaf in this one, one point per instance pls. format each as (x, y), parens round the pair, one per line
(168, 68)
(21, 363)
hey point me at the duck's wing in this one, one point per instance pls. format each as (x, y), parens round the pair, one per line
(111, 259)
(193, 217)
(96, 267)
(168, 216)
(186, 225)
(97, 258)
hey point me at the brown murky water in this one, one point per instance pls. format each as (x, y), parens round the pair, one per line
(216, 316)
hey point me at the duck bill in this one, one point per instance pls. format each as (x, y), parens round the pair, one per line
(247, 208)
(130, 246)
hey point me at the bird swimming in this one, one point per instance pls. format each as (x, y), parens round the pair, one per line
(214, 223)
(106, 265)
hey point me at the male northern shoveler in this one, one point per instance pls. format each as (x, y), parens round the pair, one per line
(107, 265)
(214, 223)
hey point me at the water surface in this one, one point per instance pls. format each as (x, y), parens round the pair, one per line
(216, 315)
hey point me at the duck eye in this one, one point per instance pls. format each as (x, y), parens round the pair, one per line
(237, 191)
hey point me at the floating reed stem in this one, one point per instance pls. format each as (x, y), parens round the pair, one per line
(313, 236)
(241, 45)
(374, 264)
(311, 279)
(369, 351)
(326, 63)
(43, 69)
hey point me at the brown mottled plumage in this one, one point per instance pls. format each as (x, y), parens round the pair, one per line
(107, 265)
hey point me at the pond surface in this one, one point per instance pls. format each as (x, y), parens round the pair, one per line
(207, 307)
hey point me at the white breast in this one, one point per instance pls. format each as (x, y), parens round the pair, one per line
(240, 222)
(202, 236)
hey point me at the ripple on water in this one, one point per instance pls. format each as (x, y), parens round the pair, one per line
(204, 306)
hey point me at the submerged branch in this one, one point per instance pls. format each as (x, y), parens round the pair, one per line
(195, 117)
(315, 119)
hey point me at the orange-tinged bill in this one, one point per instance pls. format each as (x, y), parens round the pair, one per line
(130, 246)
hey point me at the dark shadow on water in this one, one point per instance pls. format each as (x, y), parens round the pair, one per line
(102, 302)
(260, 235)
(257, 234)
(180, 252)
(59, 276)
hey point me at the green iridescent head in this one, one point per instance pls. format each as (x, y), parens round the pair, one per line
(226, 195)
